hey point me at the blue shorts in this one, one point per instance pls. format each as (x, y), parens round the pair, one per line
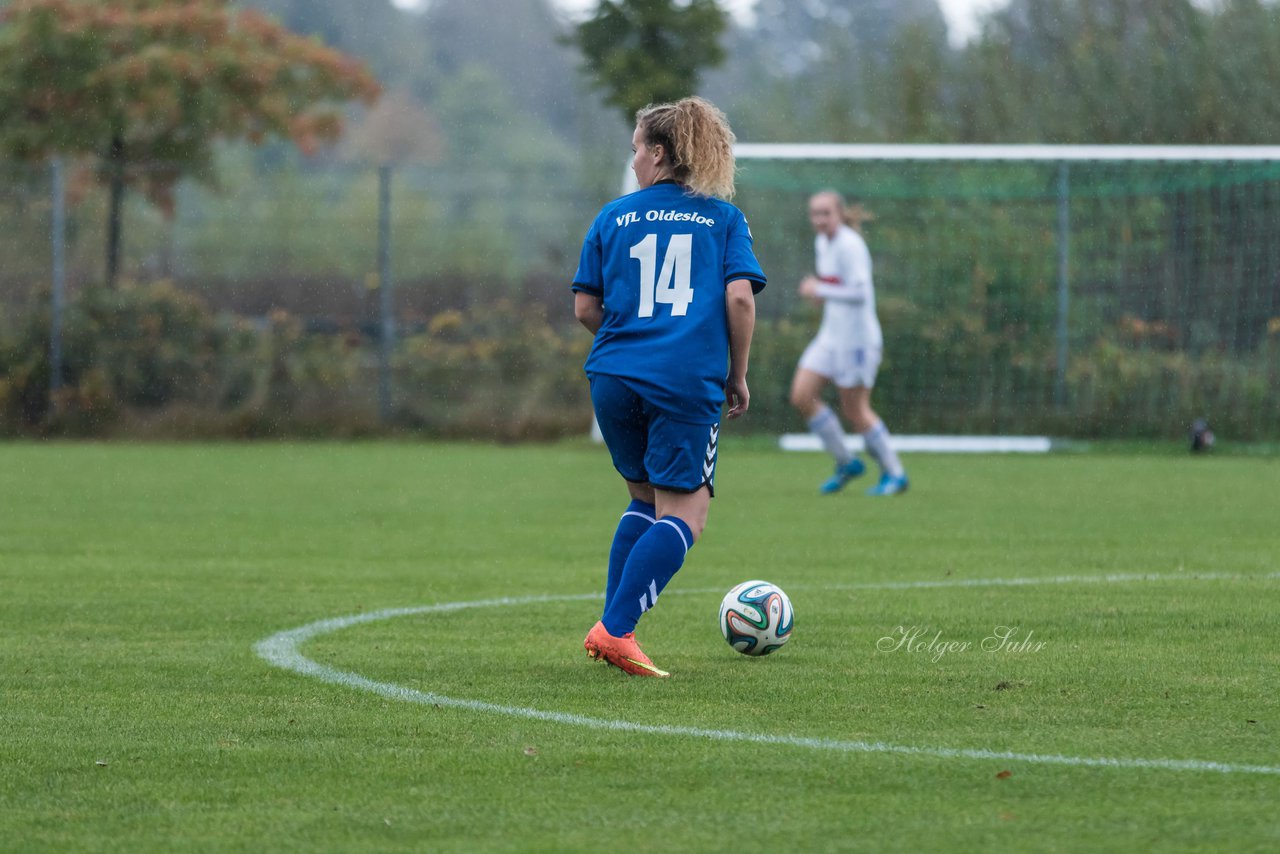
(650, 446)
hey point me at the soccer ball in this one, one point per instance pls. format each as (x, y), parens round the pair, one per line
(755, 617)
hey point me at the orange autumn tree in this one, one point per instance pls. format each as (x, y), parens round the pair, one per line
(148, 87)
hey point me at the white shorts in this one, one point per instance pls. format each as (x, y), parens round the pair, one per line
(847, 367)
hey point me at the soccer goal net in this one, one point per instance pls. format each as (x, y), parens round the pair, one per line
(1074, 291)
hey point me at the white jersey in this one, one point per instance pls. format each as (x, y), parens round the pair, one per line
(849, 309)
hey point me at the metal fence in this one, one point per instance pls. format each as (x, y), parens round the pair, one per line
(1081, 291)
(304, 238)
(1068, 293)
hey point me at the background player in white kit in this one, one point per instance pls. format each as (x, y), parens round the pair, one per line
(847, 348)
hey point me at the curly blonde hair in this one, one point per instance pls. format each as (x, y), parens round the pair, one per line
(698, 143)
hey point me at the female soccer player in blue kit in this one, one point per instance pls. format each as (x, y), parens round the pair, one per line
(666, 283)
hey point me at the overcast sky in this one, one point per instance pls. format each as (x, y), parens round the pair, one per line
(961, 14)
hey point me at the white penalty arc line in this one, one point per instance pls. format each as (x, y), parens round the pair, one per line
(282, 650)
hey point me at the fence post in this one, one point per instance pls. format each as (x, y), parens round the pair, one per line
(384, 294)
(58, 239)
(1064, 240)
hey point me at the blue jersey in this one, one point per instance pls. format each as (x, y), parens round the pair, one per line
(660, 259)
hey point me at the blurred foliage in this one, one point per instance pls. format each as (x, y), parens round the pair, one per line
(1042, 71)
(836, 71)
(640, 52)
(157, 83)
(502, 158)
(377, 32)
(493, 119)
(501, 371)
(1122, 71)
(143, 352)
(154, 83)
(155, 362)
(963, 373)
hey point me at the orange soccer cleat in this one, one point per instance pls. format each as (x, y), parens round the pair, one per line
(623, 652)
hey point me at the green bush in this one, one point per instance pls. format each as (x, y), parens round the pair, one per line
(155, 344)
(154, 361)
(502, 372)
(959, 370)
(1149, 393)
(136, 356)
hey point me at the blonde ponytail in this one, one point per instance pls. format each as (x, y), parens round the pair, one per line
(698, 143)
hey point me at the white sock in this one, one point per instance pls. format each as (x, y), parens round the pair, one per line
(880, 447)
(826, 425)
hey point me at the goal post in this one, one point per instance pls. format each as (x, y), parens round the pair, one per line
(905, 152)
(1075, 291)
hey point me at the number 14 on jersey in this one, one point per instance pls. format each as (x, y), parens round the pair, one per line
(670, 286)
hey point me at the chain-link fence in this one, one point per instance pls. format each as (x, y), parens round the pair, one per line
(305, 239)
(1083, 298)
(1076, 299)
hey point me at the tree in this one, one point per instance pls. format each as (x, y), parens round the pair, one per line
(843, 37)
(837, 71)
(647, 51)
(1099, 71)
(148, 87)
(525, 53)
(390, 40)
(1245, 44)
(398, 129)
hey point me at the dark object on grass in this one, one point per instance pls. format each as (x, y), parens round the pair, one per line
(1201, 436)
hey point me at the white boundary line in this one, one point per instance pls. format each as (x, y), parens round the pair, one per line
(930, 444)
(282, 650)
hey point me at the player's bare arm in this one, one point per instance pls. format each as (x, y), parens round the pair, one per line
(589, 310)
(740, 308)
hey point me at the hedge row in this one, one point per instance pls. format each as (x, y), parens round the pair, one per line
(155, 361)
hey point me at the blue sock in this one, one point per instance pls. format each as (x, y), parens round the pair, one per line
(635, 523)
(654, 559)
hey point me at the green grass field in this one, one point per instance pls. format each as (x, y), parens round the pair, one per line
(136, 715)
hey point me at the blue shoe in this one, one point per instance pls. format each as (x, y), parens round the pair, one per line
(844, 474)
(889, 485)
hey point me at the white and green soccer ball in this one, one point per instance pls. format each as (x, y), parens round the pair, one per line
(756, 617)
